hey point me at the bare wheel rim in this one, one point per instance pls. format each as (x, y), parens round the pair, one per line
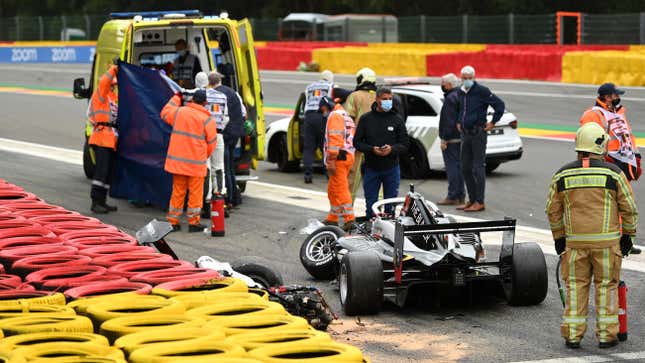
(342, 284)
(321, 247)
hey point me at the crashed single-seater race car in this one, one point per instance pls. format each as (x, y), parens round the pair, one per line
(418, 246)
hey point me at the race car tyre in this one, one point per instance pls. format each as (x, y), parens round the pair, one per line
(529, 280)
(26, 340)
(360, 282)
(414, 164)
(491, 166)
(258, 269)
(88, 161)
(282, 156)
(318, 255)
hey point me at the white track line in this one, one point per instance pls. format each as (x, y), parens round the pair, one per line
(591, 358)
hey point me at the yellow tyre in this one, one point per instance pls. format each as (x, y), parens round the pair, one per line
(131, 342)
(203, 298)
(78, 360)
(106, 310)
(260, 292)
(262, 324)
(53, 299)
(307, 352)
(7, 356)
(69, 350)
(81, 305)
(10, 311)
(132, 323)
(188, 351)
(26, 340)
(37, 323)
(252, 340)
(226, 309)
(227, 284)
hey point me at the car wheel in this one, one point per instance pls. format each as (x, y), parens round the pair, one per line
(491, 166)
(88, 161)
(528, 281)
(282, 156)
(414, 164)
(318, 252)
(258, 269)
(360, 281)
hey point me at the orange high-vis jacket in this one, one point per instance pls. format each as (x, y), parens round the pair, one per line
(193, 137)
(339, 134)
(99, 112)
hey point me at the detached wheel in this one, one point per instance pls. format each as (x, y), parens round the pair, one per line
(258, 269)
(282, 156)
(414, 164)
(318, 252)
(89, 162)
(529, 281)
(491, 167)
(360, 282)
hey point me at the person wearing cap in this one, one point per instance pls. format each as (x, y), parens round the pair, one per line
(382, 137)
(102, 113)
(338, 158)
(314, 124)
(610, 115)
(233, 131)
(192, 140)
(451, 140)
(474, 100)
(587, 199)
(186, 65)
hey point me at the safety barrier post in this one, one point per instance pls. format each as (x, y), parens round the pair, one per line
(642, 28)
(383, 26)
(17, 19)
(87, 25)
(347, 29)
(41, 28)
(511, 28)
(422, 28)
(63, 32)
(464, 28)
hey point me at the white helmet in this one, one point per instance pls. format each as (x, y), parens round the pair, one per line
(365, 75)
(201, 80)
(327, 75)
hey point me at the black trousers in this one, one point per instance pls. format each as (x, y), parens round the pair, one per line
(232, 193)
(105, 158)
(314, 136)
(473, 162)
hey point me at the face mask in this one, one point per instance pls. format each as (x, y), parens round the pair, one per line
(615, 102)
(182, 53)
(468, 83)
(386, 105)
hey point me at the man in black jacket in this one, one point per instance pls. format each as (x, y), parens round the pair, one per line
(451, 140)
(474, 100)
(381, 135)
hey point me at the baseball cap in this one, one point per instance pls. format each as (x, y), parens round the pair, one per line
(609, 89)
(199, 96)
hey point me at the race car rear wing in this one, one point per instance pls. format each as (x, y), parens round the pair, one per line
(507, 225)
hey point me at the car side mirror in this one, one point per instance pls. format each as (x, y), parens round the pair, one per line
(80, 91)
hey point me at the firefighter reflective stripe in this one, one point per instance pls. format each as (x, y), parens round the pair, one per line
(572, 319)
(608, 319)
(567, 214)
(573, 294)
(315, 92)
(184, 160)
(604, 286)
(593, 236)
(557, 225)
(585, 181)
(607, 212)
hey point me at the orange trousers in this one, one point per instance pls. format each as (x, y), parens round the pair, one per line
(195, 187)
(340, 198)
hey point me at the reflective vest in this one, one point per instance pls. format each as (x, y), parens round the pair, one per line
(339, 133)
(183, 71)
(315, 92)
(102, 112)
(192, 140)
(218, 107)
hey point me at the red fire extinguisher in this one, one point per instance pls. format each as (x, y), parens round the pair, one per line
(217, 215)
(622, 311)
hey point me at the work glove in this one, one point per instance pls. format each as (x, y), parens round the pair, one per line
(560, 245)
(626, 244)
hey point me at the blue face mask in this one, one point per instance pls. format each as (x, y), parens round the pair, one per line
(386, 105)
(468, 83)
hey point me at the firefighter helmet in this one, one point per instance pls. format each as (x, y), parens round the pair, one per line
(591, 138)
(365, 75)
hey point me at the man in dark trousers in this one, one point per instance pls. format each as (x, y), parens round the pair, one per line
(381, 135)
(474, 100)
(451, 140)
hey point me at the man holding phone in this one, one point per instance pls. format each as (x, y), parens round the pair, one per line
(381, 135)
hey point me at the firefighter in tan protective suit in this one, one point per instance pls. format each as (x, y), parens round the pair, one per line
(587, 199)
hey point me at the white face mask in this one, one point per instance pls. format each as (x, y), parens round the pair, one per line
(182, 53)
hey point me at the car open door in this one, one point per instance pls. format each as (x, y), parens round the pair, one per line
(295, 132)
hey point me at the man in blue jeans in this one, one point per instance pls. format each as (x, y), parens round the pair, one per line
(451, 140)
(381, 135)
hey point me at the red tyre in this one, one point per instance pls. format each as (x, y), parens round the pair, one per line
(99, 251)
(9, 256)
(27, 265)
(130, 269)
(112, 287)
(56, 277)
(123, 257)
(159, 277)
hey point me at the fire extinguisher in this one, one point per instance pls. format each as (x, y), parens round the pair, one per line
(622, 311)
(217, 215)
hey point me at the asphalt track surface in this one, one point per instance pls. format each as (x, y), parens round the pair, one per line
(486, 331)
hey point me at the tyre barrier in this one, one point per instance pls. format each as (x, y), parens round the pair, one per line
(104, 310)
(123, 257)
(202, 298)
(84, 359)
(25, 340)
(30, 297)
(17, 223)
(50, 219)
(261, 324)
(23, 287)
(69, 350)
(110, 287)
(129, 269)
(9, 196)
(93, 238)
(55, 277)
(162, 276)
(186, 351)
(226, 309)
(13, 242)
(98, 251)
(40, 323)
(10, 280)
(253, 340)
(27, 231)
(21, 207)
(11, 255)
(190, 286)
(70, 226)
(116, 328)
(32, 213)
(8, 215)
(133, 341)
(27, 265)
(81, 305)
(10, 311)
(308, 351)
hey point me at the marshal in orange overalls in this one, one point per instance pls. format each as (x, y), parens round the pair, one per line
(193, 139)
